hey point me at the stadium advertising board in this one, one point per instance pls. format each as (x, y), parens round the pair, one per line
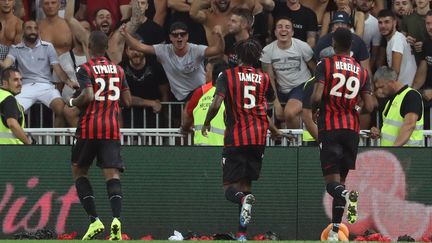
(179, 188)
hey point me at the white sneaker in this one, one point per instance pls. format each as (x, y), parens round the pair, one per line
(332, 236)
(246, 210)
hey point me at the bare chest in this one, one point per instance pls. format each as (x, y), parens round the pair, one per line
(8, 32)
(58, 33)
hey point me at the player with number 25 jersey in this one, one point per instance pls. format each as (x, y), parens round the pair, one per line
(99, 120)
(343, 78)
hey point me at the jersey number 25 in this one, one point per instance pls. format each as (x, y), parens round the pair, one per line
(113, 90)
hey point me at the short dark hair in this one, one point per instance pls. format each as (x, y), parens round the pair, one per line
(7, 73)
(29, 20)
(342, 39)
(246, 14)
(248, 51)
(218, 65)
(386, 13)
(178, 25)
(283, 17)
(429, 13)
(98, 41)
(99, 9)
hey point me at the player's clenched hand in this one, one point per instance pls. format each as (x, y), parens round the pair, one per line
(205, 129)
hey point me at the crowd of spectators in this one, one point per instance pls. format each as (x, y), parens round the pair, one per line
(164, 45)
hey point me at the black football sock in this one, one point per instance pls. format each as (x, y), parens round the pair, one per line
(338, 207)
(86, 197)
(335, 189)
(233, 195)
(115, 196)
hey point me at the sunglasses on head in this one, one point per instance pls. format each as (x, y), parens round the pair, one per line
(177, 34)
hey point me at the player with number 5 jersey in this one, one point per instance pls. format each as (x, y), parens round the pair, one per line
(245, 91)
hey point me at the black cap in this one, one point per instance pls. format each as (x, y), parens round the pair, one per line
(178, 26)
(341, 17)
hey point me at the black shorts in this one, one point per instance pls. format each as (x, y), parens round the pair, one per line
(242, 162)
(107, 153)
(338, 150)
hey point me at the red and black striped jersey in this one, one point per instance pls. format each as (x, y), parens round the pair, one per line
(244, 90)
(99, 119)
(343, 80)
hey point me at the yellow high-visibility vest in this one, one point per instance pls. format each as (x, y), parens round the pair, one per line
(217, 129)
(6, 135)
(393, 121)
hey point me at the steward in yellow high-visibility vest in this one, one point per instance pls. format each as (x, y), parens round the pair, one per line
(12, 115)
(307, 116)
(197, 107)
(216, 134)
(403, 113)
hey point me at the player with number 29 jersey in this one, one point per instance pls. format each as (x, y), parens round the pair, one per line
(343, 79)
(99, 119)
(245, 89)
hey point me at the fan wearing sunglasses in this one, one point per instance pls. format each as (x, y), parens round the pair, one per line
(182, 61)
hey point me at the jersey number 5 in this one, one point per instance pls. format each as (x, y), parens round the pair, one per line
(114, 91)
(352, 84)
(247, 95)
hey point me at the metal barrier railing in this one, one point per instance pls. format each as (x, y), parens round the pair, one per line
(39, 116)
(172, 137)
(164, 131)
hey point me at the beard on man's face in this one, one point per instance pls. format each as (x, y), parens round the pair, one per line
(31, 38)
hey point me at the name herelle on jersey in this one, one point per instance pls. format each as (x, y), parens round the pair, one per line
(249, 77)
(347, 67)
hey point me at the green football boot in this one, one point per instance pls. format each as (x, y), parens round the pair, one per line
(115, 230)
(94, 230)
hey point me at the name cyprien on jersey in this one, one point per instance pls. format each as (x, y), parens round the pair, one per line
(99, 69)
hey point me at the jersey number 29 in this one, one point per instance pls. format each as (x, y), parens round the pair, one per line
(352, 84)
